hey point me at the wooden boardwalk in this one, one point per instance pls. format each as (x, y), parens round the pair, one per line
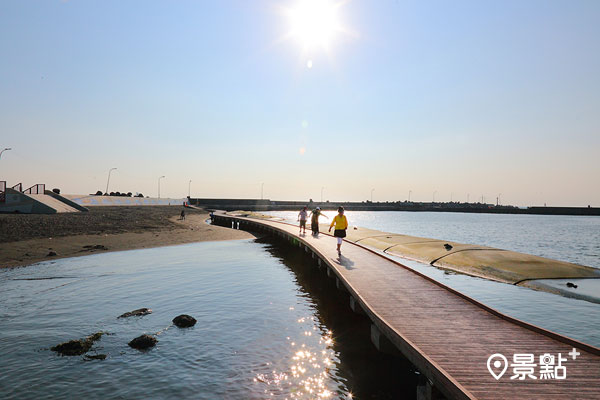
(445, 334)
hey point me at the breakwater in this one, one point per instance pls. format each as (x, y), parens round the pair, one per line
(284, 205)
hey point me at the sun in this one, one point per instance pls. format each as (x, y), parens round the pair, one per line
(314, 23)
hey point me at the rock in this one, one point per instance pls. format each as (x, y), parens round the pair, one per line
(77, 347)
(571, 285)
(143, 342)
(184, 321)
(447, 246)
(51, 254)
(136, 313)
(96, 357)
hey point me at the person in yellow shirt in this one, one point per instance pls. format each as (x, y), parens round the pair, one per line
(341, 224)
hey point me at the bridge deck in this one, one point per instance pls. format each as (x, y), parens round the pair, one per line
(446, 335)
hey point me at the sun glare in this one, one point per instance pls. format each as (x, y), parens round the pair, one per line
(314, 23)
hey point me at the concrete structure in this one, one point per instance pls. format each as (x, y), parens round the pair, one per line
(276, 205)
(448, 336)
(34, 200)
(92, 201)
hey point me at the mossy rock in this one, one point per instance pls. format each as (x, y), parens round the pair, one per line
(136, 313)
(184, 321)
(143, 342)
(77, 347)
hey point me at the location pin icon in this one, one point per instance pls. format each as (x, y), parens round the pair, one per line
(497, 364)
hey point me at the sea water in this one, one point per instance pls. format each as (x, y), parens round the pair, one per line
(270, 325)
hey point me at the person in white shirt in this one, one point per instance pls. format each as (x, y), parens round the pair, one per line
(302, 216)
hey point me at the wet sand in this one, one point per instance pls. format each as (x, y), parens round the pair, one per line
(28, 239)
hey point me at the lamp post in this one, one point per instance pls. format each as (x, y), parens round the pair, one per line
(262, 190)
(190, 188)
(372, 190)
(498, 199)
(108, 180)
(468, 194)
(159, 178)
(5, 149)
(409, 192)
(322, 187)
(434, 192)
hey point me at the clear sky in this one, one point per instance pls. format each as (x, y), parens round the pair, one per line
(452, 97)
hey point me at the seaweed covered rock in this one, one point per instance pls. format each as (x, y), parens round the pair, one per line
(136, 313)
(143, 342)
(77, 347)
(184, 321)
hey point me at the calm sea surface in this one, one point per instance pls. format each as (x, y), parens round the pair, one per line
(268, 327)
(572, 239)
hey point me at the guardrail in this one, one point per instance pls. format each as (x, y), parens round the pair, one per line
(38, 188)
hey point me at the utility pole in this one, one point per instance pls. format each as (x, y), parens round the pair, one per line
(159, 178)
(6, 149)
(262, 188)
(108, 180)
(189, 189)
(409, 192)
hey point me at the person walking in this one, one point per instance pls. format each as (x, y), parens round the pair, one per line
(302, 216)
(341, 224)
(314, 220)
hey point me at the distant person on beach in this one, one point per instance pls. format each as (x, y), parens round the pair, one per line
(302, 216)
(314, 220)
(182, 217)
(341, 224)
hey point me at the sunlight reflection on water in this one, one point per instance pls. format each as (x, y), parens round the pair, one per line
(259, 333)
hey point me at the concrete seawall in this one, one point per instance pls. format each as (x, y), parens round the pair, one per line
(272, 205)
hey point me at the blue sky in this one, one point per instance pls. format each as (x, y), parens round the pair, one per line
(456, 98)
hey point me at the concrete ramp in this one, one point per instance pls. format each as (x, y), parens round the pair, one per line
(51, 202)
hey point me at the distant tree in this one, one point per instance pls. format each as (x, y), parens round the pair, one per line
(139, 195)
(112, 194)
(129, 194)
(99, 193)
(56, 190)
(117, 193)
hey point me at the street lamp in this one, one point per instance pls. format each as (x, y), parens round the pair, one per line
(108, 180)
(322, 187)
(409, 192)
(434, 192)
(159, 178)
(7, 148)
(262, 188)
(190, 189)
(498, 199)
(372, 190)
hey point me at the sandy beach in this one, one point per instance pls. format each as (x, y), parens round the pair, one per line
(28, 239)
